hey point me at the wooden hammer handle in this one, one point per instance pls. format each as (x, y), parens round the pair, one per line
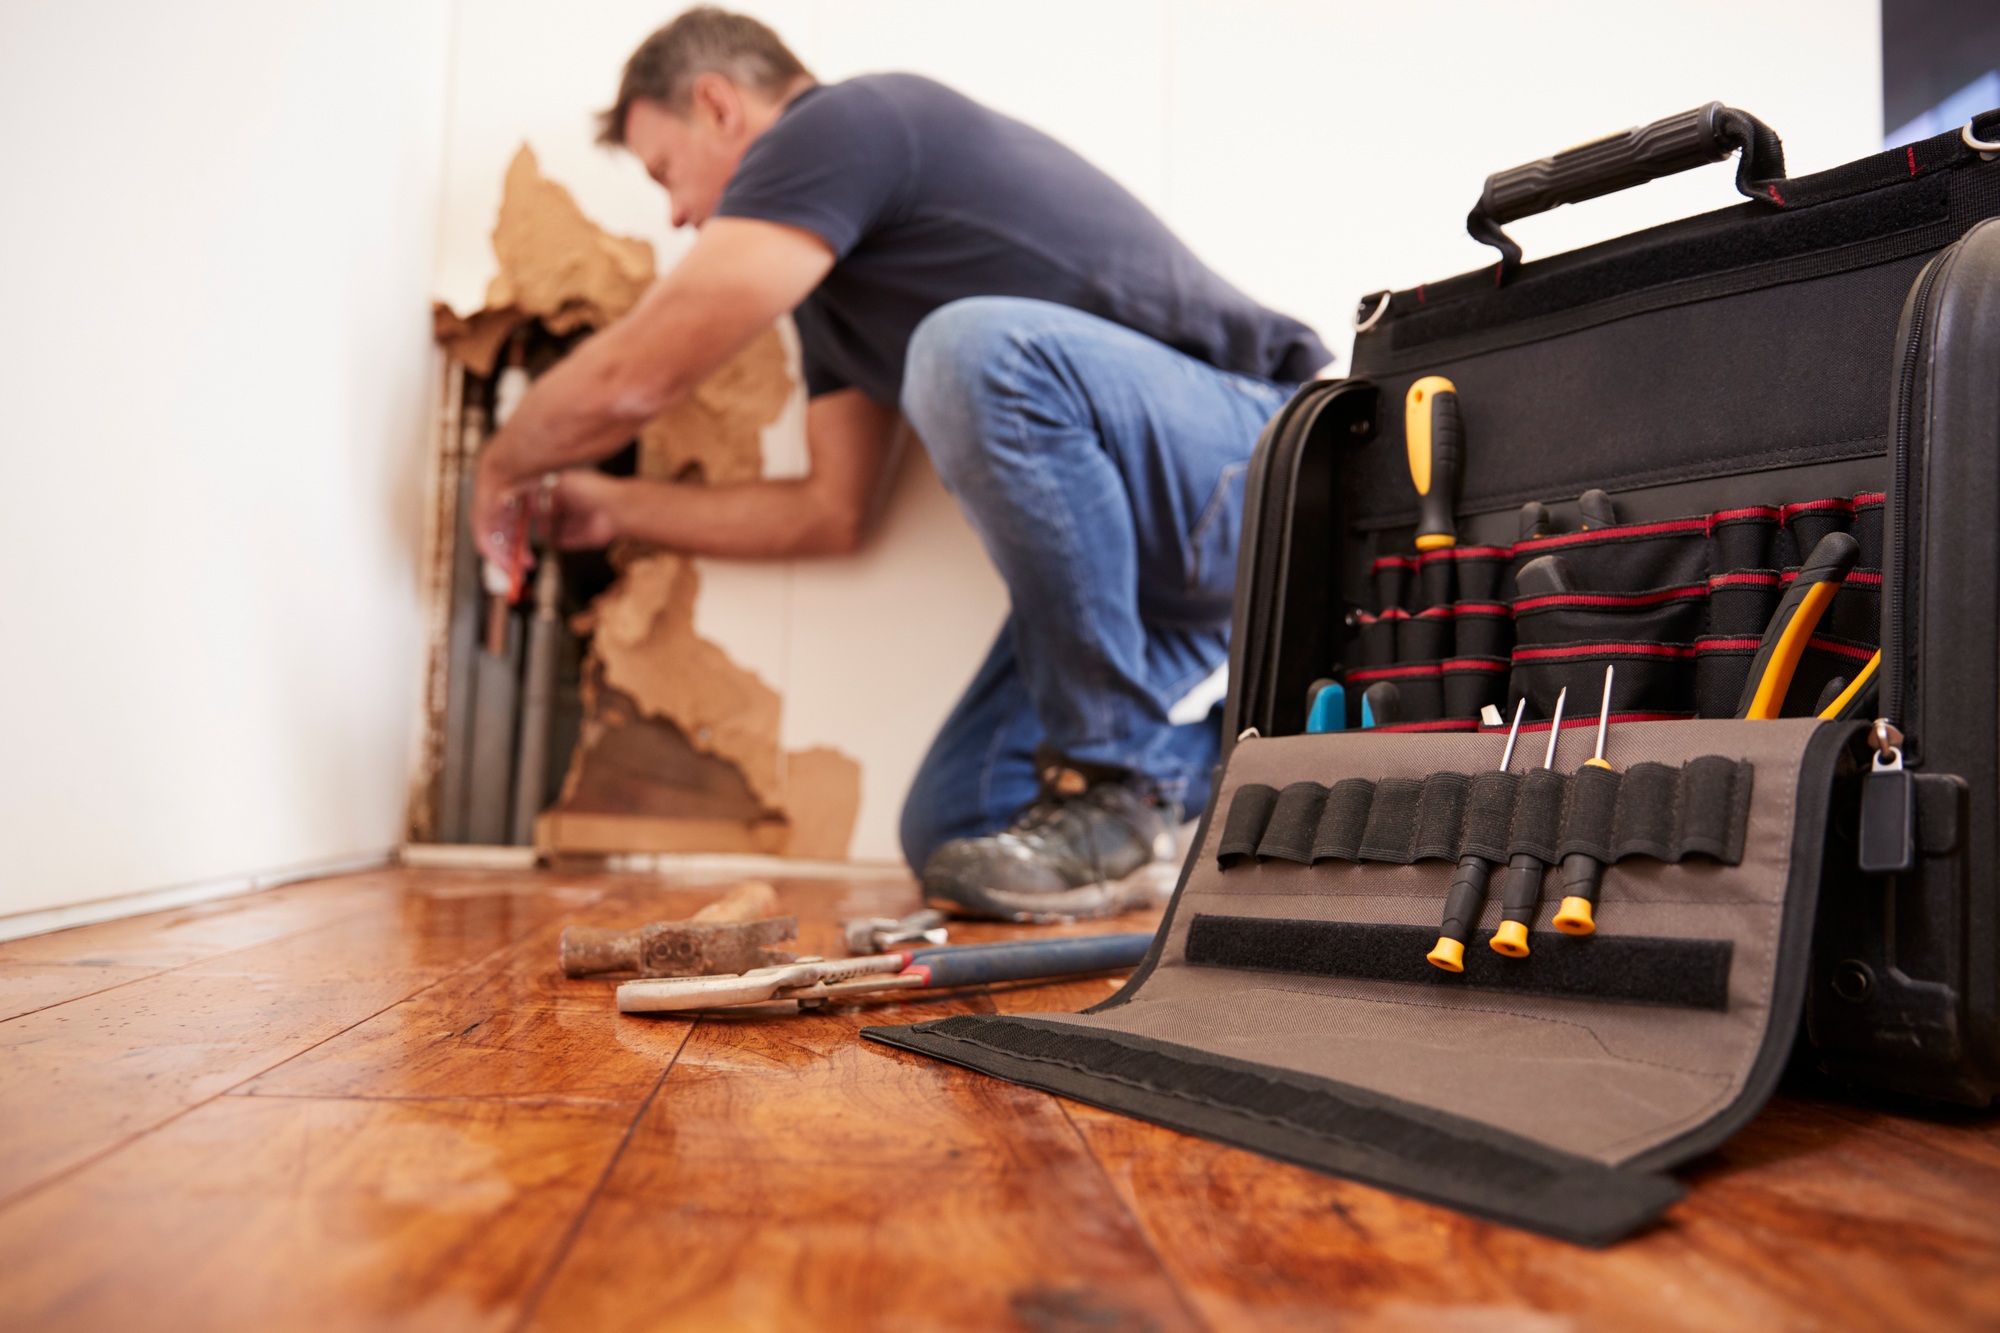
(589, 950)
(752, 900)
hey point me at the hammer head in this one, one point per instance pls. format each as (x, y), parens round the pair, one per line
(706, 948)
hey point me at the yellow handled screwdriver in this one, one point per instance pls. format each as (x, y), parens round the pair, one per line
(1582, 873)
(1792, 624)
(1521, 894)
(1467, 898)
(1436, 441)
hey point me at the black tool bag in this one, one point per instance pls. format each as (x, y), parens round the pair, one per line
(1824, 357)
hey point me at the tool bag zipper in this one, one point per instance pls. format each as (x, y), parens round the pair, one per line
(1895, 616)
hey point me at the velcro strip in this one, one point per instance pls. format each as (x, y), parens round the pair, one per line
(1680, 974)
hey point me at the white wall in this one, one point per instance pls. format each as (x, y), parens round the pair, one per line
(215, 259)
(1311, 150)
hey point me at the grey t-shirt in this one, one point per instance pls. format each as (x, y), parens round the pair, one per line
(927, 196)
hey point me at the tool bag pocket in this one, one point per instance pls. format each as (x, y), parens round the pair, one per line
(1677, 606)
(1289, 1004)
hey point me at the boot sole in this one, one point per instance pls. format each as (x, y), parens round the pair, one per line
(1148, 886)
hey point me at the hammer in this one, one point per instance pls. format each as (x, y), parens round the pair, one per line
(728, 935)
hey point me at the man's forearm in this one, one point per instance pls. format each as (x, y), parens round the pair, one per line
(752, 520)
(576, 414)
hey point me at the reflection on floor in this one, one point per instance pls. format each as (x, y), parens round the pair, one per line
(373, 1101)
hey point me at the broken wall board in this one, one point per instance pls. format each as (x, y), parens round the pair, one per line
(559, 268)
(559, 833)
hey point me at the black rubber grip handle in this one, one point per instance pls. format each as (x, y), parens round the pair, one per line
(1467, 898)
(1436, 524)
(1778, 651)
(1631, 157)
(1521, 893)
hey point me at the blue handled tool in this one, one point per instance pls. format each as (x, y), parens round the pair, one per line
(811, 982)
(1326, 707)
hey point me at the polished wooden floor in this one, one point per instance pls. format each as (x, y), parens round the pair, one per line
(373, 1102)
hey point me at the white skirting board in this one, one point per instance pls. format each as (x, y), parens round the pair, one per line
(184, 895)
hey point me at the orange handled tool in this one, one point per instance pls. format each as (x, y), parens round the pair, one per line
(1792, 624)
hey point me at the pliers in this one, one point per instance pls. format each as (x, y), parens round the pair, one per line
(811, 982)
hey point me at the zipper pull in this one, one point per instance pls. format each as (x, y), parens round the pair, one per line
(1888, 842)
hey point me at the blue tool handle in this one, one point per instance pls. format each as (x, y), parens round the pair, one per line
(1025, 960)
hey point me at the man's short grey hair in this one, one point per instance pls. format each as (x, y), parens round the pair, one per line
(705, 40)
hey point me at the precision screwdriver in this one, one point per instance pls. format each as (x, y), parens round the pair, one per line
(1467, 898)
(1436, 440)
(1582, 873)
(1521, 895)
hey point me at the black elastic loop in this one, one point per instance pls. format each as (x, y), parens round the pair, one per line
(1392, 821)
(1249, 813)
(1489, 815)
(1538, 815)
(1440, 810)
(1591, 815)
(1645, 823)
(1289, 834)
(1344, 820)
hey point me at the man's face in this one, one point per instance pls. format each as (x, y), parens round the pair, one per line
(692, 156)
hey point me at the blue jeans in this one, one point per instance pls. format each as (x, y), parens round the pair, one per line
(1104, 473)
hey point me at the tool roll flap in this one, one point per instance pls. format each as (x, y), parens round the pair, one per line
(1288, 1005)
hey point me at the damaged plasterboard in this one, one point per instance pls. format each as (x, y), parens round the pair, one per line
(647, 649)
(659, 686)
(715, 433)
(556, 265)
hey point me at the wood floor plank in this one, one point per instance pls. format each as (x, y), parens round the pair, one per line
(26, 987)
(1788, 1227)
(519, 1028)
(77, 1078)
(514, 1028)
(273, 1213)
(188, 934)
(800, 1178)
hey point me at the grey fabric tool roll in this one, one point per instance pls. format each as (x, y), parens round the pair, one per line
(1287, 1007)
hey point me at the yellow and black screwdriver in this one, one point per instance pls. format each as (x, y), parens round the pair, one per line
(1521, 895)
(1467, 899)
(1792, 624)
(1436, 440)
(1582, 873)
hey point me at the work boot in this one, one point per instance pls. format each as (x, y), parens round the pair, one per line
(1095, 842)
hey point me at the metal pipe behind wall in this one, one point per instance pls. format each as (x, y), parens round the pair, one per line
(538, 697)
(496, 691)
(463, 637)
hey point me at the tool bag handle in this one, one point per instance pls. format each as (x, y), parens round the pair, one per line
(1630, 157)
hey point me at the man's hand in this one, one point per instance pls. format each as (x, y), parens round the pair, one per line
(588, 509)
(739, 277)
(825, 513)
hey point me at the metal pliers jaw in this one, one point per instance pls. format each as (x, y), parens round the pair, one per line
(808, 979)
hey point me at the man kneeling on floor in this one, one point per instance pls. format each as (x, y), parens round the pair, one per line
(1087, 389)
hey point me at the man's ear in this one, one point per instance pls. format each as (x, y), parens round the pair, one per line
(718, 102)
